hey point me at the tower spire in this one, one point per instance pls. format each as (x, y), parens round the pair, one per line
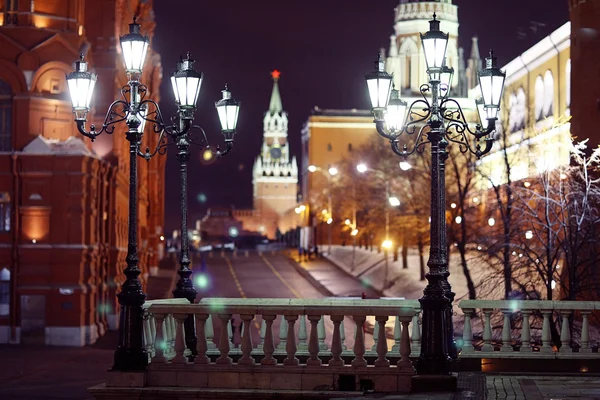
(275, 106)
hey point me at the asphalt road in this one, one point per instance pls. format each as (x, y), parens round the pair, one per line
(39, 372)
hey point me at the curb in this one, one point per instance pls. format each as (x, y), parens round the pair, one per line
(379, 292)
(307, 275)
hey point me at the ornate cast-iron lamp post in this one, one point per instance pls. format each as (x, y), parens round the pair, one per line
(134, 111)
(186, 84)
(443, 121)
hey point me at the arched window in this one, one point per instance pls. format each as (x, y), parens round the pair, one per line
(521, 107)
(548, 94)
(539, 98)
(512, 112)
(568, 83)
(5, 116)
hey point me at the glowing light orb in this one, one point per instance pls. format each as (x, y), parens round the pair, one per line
(207, 155)
(233, 231)
(201, 198)
(202, 281)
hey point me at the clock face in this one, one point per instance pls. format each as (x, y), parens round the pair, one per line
(275, 153)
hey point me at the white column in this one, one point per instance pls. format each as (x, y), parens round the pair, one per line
(179, 340)
(415, 347)
(585, 333)
(405, 346)
(467, 346)
(397, 335)
(269, 346)
(375, 336)
(321, 331)
(224, 344)
(487, 331)
(546, 336)
(336, 341)
(381, 348)
(565, 332)
(506, 336)
(283, 331)
(246, 340)
(313, 345)
(290, 346)
(159, 356)
(343, 334)
(261, 333)
(359, 342)
(201, 345)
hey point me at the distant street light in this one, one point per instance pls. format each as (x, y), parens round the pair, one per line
(362, 168)
(333, 171)
(312, 168)
(329, 222)
(529, 235)
(405, 166)
(394, 201)
(330, 173)
(491, 222)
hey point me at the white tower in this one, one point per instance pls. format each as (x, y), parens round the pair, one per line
(406, 60)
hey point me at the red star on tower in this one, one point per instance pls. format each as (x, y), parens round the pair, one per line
(275, 74)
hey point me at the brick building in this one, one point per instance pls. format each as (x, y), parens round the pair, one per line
(64, 200)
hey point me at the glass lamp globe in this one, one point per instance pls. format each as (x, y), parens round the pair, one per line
(134, 46)
(395, 113)
(434, 45)
(186, 82)
(379, 84)
(81, 84)
(491, 81)
(228, 110)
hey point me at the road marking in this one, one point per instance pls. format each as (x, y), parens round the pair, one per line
(277, 274)
(235, 278)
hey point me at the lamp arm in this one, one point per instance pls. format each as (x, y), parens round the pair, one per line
(410, 124)
(228, 147)
(203, 138)
(155, 117)
(161, 147)
(111, 118)
(457, 117)
(418, 145)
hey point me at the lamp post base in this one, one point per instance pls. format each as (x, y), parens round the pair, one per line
(130, 360)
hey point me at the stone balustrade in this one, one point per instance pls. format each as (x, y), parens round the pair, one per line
(302, 359)
(526, 329)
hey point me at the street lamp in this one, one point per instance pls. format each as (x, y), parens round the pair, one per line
(134, 111)
(130, 354)
(332, 171)
(186, 83)
(433, 116)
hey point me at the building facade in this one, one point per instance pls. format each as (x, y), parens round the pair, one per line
(64, 200)
(275, 172)
(329, 136)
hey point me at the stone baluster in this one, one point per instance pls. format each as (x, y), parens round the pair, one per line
(283, 331)
(201, 345)
(336, 341)
(269, 345)
(290, 346)
(246, 340)
(179, 339)
(526, 332)
(397, 335)
(487, 330)
(506, 336)
(322, 335)
(359, 342)
(467, 346)
(173, 327)
(302, 336)
(375, 337)
(148, 338)
(585, 333)
(210, 333)
(313, 344)
(405, 347)
(343, 335)
(168, 336)
(381, 348)
(224, 344)
(415, 347)
(565, 332)
(153, 333)
(546, 336)
(159, 354)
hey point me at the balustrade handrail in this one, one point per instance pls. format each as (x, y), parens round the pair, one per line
(516, 305)
(286, 307)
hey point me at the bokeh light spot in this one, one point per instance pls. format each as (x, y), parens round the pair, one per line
(202, 281)
(201, 198)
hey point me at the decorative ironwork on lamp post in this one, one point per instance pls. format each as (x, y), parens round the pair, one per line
(442, 120)
(134, 110)
(186, 83)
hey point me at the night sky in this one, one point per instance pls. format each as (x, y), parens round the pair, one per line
(323, 48)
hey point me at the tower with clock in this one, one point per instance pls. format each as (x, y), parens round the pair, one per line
(275, 172)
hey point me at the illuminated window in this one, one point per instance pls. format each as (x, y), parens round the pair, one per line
(4, 212)
(5, 116)
(568, 83)
(548, 94)
(512, 113)
(10, 12)
(539, 98)
(4, 291)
